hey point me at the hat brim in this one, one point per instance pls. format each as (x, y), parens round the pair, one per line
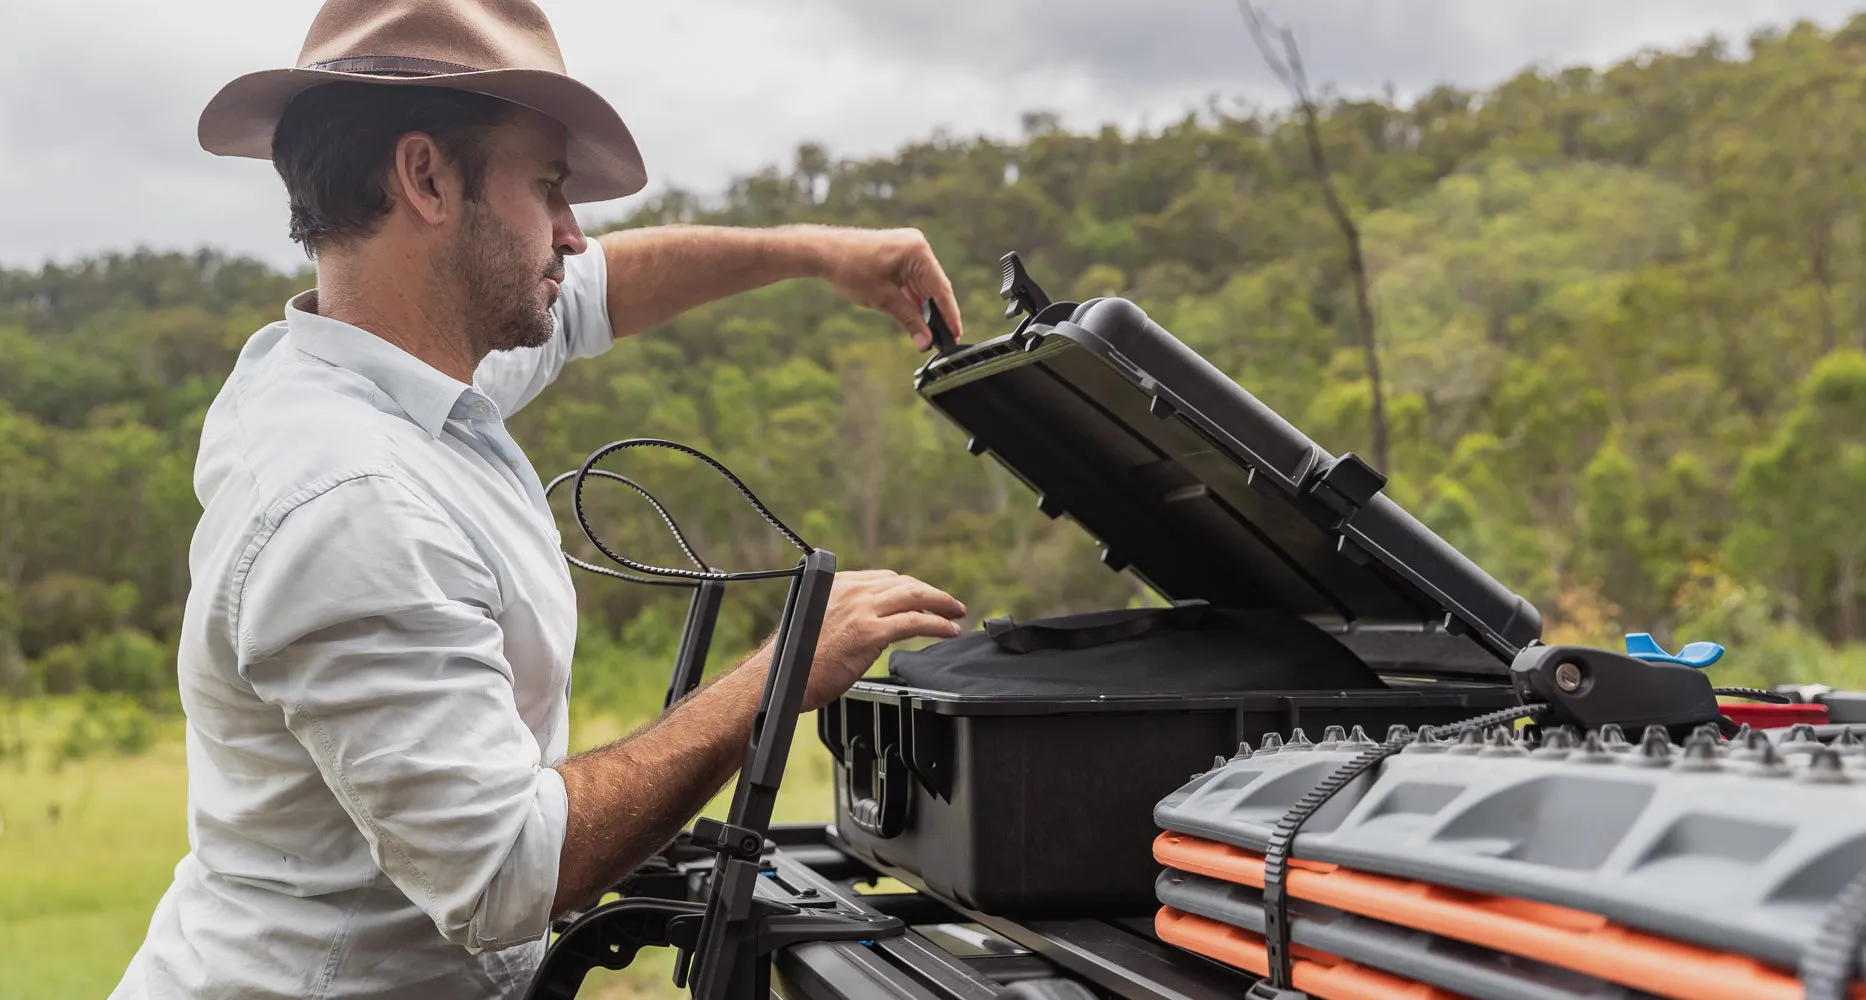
(604, 162)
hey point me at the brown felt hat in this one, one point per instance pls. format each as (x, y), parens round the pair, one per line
(500, 48)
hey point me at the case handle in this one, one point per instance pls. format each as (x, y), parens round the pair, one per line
(880, 809)
(1031, 637)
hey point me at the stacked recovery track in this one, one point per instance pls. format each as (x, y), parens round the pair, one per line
(1411, 954)
(1491, 868)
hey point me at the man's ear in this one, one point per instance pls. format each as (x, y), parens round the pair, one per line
(424, 179)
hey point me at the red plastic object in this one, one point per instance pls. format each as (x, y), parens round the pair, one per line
(1762, 715)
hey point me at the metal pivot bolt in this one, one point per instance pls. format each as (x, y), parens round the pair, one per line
(1568, 677)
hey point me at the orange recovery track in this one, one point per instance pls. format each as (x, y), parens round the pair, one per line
(1573, 939)
(1313, 972)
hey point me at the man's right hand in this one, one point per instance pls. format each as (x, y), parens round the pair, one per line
(870, 610)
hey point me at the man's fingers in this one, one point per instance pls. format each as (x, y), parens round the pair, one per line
(916, 625)
(914, 595)
(906, 311)
(858, 575)
(947, 302)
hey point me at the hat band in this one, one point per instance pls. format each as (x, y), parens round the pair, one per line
(392, 66)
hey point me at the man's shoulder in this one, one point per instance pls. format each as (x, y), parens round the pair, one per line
(285, 422)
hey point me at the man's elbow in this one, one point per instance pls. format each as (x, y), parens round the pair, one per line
(505, 915)
(510, 901)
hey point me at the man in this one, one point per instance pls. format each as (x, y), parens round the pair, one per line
(376, 649)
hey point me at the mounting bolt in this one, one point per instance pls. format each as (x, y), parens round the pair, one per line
(1568, 677)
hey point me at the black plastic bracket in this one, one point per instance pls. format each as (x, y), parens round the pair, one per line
(1266, 990)
(1024, 295)
(944, 342)
(725, 838)
(1590, 688)
(782, 925)
(611, 936)
(1347, 484)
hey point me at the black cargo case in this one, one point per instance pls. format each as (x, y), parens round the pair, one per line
(1043, 806)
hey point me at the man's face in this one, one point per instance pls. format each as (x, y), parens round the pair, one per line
(506, 257)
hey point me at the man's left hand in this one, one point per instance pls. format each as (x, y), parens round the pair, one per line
(892, 270)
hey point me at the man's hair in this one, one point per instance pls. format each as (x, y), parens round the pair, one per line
(335, 143)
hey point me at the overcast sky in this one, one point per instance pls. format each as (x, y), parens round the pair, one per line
(98, 98)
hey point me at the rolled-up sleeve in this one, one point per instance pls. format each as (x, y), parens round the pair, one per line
(368, 618)
(581, 329)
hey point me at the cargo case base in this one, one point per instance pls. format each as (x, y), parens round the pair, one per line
(1042, 807)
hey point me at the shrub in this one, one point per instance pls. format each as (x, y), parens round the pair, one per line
(108, 723)
(124, 660)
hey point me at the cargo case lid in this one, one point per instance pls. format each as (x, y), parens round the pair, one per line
(1204, 492)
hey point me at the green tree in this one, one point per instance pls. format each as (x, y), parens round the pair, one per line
(1798, 493)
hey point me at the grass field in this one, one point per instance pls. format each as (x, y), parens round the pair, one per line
(86, 850)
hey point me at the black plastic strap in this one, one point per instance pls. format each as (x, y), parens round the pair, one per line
(1828, 966)
(1754, 694)
(680, 537)
(1011, 637)
(1282, 839)
(668, 576)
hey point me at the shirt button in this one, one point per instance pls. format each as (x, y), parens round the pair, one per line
(482, 409)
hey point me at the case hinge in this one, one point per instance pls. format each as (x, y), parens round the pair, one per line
(1347, 484)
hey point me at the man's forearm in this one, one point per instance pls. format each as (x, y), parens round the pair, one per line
(658, 273)
(628, 799)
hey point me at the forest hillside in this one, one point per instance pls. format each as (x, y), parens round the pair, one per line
(1620, 314)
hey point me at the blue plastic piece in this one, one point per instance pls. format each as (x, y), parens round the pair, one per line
(1641, 646)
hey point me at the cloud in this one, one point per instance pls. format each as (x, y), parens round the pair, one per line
(1164, 46)
(98, 98)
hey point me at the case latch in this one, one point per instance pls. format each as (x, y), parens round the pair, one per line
(1023, 294)
(1347, 485)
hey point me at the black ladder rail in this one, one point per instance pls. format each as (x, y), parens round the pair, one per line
(727, 951)
(696, 640)
(728, 939)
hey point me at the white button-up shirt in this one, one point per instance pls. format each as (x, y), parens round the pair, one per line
(375, 665)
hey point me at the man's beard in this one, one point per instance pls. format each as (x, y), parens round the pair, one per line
(496, 281)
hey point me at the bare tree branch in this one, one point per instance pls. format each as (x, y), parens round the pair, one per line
(1278, 47)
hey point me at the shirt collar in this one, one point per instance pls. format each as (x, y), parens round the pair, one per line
(423, 392)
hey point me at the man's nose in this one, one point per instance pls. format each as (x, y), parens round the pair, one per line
(568, 236)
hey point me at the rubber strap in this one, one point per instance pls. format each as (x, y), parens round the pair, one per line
(680, 537)
(1828, 966)
(1283, 838)
(1754, 694)
(669, 576)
